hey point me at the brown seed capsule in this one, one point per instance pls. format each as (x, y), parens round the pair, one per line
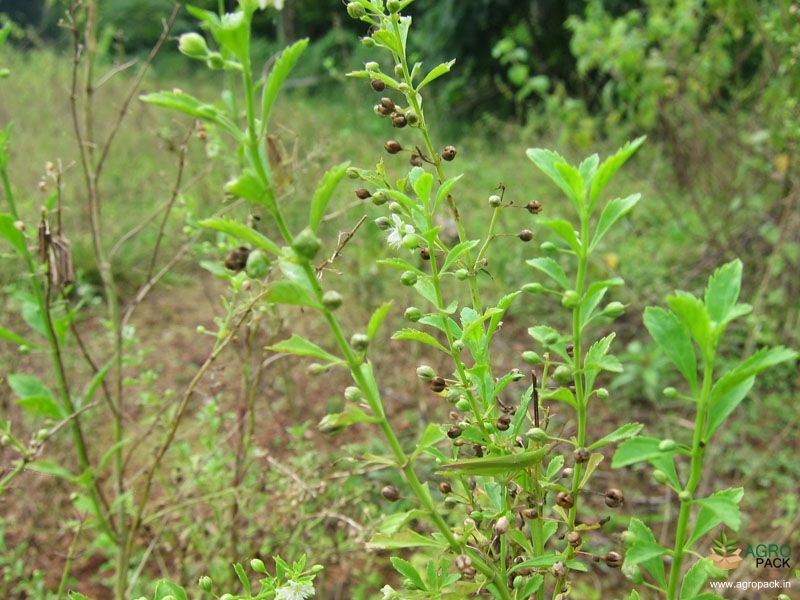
(415, 160)
(570, 348)
(383, 110)
(613, 560)
(565, 500)
(463, 562)
(437, 384)
(574, 539)
(445, 488)
(454, 432)
(377, 84)
(469, 574)
(530, 513)
(526, 235)
(503, 422)
(449, 153)
(534, 207)
(424, 254)
(388, 103)
(237, 259)
(362, 193)
(392, 147)
(398, 120)
(614, 498)
(581, 455)
(559, 569)
(391, 493)
(502, 525)
(567, 472)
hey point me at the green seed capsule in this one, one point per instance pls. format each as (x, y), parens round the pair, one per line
(306, 244)
(258, 264)
(356, 10)
(331, 299)
(532, 358)
(563, 375)
(533, 288)
(463, 405)
(408, 278)
(571, 299)
(412, 314)
(353, 394)
(359, 342)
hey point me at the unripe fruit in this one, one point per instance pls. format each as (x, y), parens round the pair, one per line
(371, 66)
(410, 241)
(205, 583)
(258, 264)
(495, 201)
(685, 496)
(532, 358)
(462, 274)
(412, 118)
(408, 278)
(393, 6)
(670, 392)
(359, 342)
(193, 45)
(562, 375)
(458, 346)
(614, 310)
(537, 434)
(463, 405)
(601, 393)
(660, 476)
(258, 565)
(533, 288)
(548, 248)
(412, 314)
(379, 198)
(667, 445)
(353, 394)
(571, 299)
(368, 42)
(306, 244)
(356, 10)
(215, 61)
(315, 369)
(352, 173)
(628, 538)
(331, 300)
(425, 373)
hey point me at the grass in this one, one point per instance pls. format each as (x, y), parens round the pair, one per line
(657, 253)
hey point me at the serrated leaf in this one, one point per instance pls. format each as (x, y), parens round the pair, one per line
(724, 400)
(426, 289)
(242, 232)
(243, 578)
(695, 579)
(574, 180)
(400, 264)
(166, 588)
(377, 318)
(17, 339)
(649, 553)
(552, 269)
(403, 539)
(34, 396)
(422, 182)
(565, 231)
(490, 465)
(418, 336)
(718, 508)
(457, 252)
(672, 337)
(638, 449)
(284, 291)
(625, 432)
(443, 190)
(194, 107)
(547, 161)
(432, 435)
(612, 212)
(692, 313)
(300, 346)
(589, 468)
(335, 423)
(435, 73)
(280, 71)
(407, 570)
(561, 394)
(723, 290)
(323, 194)
(610, 166)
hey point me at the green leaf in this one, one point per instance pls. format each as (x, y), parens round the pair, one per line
(250, 187)
(17, 339)
(720, 507)
(724, 400)
(323, 194)
(638, 449)
(565, 231)
(422, 182)
(418, 336)
(426, 289)
(457, 252)
(722, 291)
(623, 433)
(548, 161)
(400, 264)
(73, 595)
(646, 551)
(444, 189)
(377, 318)
(48, 468)
(588, 168)
(12, 235)
(561, 394)
(388, 39)
(302, 347)
(666, 463)
(435, 73)
(672, 337)
(289, 292)
(403, 539)
(166, 588)
(407, 570)
(552, 269)
(692, 312)
(612, 212)
(610, 166)
(574, 180)
(335, 423)
(34, 396)
(432, 435)
(192, 106)
(243, 578)
(490, 465)
(589, 468)
(695, 579)
(280, 71)
(242, 232)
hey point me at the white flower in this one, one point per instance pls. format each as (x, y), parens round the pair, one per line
(278, 4)
(389, 593)
(294, 591)
(397, 231)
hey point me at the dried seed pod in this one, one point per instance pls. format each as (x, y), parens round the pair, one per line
(445, 487)
(614, 498)
(399, 120)
(363, 194)
(377, 84)
(449, 153)
(237, 259)
(463, 562)
(534, 207)
(415, 160)
(565, 500)
(454, 432)
(567, 472)
(424, 254)
(559, 569)
(382, 110)
(392, 147)
(530, 513)
(437, 384)
(613, 560)
(503, 422)
(526, 235)
(469, 574)
(581, 455)
(574, 539)
(502, 525)
(570, 348)
(388, 103)
(391, 493)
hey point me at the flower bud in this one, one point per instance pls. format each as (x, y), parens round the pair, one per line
(193, 45)
(353, 394)
(532, 358)
(495, 201)
(359, 342)
(258, 566)
(614, 310)
(412, 314)
(408, 278)
(425, 373)
(356, 10)
(205, 583)
(383, 223)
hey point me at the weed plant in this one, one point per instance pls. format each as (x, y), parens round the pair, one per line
(500, 499)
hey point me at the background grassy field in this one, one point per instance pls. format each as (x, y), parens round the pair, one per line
(299, 492)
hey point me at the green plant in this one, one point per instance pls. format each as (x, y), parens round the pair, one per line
(690, 334)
